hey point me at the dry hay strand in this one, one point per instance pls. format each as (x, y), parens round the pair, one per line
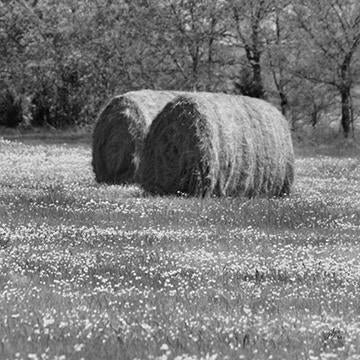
(215, 144)
(120, 131)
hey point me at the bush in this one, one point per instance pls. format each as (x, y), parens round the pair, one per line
(247, 85)
(40, 109)
(11, 112)
(56, 105)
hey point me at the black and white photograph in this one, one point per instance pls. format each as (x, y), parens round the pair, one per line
(180, 180)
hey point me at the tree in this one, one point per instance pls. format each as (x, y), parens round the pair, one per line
(250, 22)
(184, 36)
(281, 54)
(329, 32)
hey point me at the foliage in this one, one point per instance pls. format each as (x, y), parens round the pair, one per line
(330, 33)
(11, 112)
(245, 84)
(69, 57)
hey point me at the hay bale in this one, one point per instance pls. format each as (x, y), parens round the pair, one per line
(216, 144)
(120, 131)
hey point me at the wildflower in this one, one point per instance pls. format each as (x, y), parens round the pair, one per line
(78, 347)
(33, 357)
(48, 320)
(164, 347)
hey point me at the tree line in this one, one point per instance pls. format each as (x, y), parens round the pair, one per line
(60, 61)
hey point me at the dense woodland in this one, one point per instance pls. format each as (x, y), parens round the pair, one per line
(60, 61)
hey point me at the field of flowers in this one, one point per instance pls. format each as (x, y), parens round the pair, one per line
(89, 271)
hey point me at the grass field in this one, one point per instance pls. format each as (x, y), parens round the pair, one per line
(106, 272)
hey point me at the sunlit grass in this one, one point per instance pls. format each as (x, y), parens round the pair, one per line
(107, 272)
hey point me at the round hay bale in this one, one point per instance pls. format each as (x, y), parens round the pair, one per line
(215, 144)
(120, 131)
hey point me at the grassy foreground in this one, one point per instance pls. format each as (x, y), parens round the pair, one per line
(105, 272)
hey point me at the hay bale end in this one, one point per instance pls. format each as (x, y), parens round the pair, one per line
(120, 131)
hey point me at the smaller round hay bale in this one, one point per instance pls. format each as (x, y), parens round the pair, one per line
(215, 144)
(120, 131)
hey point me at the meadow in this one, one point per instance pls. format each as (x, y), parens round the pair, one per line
(89, 271)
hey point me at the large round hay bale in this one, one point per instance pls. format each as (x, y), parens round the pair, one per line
(120, 131)
(216, 144)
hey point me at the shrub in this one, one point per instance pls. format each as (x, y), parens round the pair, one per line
(11, 112)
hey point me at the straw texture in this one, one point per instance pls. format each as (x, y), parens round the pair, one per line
(215, 144)
(120, 131)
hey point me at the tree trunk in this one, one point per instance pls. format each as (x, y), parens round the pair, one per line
(210, 85)
(257, 80)
(346, 111)
(284, 103)
(254, 56)
(314, 115)
(345, 92)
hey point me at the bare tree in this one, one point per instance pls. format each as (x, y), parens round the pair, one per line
(280, 54)
(191, 41)
(250, 20)
(330, 37)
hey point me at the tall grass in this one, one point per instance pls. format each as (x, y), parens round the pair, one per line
(107, 272)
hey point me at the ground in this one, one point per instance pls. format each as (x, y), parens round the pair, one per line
(89, 271)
